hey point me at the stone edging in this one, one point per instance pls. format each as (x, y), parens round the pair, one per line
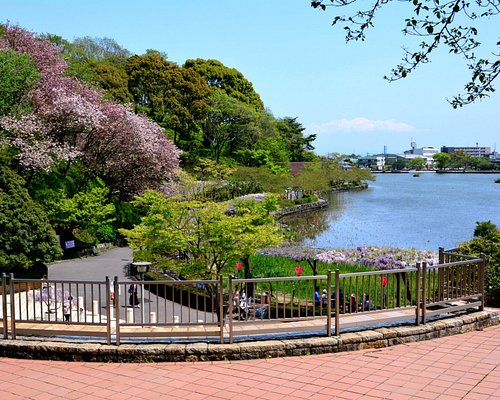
(349, 341)
(300, 208)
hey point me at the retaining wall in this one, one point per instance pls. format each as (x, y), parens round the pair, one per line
(201, 351)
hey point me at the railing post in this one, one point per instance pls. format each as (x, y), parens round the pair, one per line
(328, 303)
(230, 307)
(441, 275)
(424, 292)
(482, 277)
(417, 289)
(108, 310)
(12, 308)
(337, 302)
(4, 307)
(221, 308)
(398, 289)
(116, 289)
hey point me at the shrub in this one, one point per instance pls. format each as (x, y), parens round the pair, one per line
(487, 242)
(106, 233)
(26, 237)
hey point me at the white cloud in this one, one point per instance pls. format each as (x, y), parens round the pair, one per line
(361, 124)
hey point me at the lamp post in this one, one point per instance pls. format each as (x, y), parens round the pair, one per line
(142, 267)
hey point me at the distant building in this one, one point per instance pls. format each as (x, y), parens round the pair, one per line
(378, 162)
(473, 151)
(424, 152)
(495, 157)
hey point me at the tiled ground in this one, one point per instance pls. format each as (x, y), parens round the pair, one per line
(464, 366)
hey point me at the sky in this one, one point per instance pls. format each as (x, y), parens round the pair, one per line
(299, 64)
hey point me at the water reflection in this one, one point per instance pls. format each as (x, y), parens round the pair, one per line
(309, 225)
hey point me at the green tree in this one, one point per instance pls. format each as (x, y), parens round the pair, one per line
(260, 230)
(299, 145)
(260, 143)
(211, 170)
(114, 81)
(485, 229)
(461, 159)
(482, 163)
(247, 180)
(417, 163)
(18, 75)
(339, 177)
(230, 80)
(176, 98)
(399, 164)
(439, 24)
(226, 121)
(26, 237)
(442, 160)
(101, 50)
(83, 215)
(486, 241)
(87, 55)
(207, 235)
(312, 178)
(270, 139)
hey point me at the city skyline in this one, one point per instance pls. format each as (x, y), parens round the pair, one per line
(386, 150)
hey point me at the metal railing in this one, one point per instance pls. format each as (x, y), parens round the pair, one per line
(230, 308)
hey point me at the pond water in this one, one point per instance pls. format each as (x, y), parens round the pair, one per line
(404, 211)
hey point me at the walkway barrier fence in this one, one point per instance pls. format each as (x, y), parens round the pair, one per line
(232, 308)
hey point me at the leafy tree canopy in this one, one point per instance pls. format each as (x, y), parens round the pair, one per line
(442, 160)
(174, 97)
(298, 144)
(227, 121)
(26, 237)
(18, 75)
(205, 235)
(486, 242)
(230, 80)
(449, 23)
(81, 214)
(100, 49)
(417, 163)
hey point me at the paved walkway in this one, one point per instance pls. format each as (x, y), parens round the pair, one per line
(113, 262)
(463, 366)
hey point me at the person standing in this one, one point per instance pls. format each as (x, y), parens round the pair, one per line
(133, 299)
(67, 307)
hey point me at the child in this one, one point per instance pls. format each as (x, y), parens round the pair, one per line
(67, 310)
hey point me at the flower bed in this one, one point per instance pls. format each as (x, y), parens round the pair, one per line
(382, 258)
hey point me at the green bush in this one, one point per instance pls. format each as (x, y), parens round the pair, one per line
(106, 233)
(306, 200)
(487, 241)
(26, 237)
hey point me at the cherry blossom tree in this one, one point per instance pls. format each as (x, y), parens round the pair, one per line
(70, 121)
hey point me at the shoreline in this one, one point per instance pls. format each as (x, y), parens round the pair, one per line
(439, 171)
(317, 205)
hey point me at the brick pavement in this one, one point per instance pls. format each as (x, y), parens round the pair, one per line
(465, 366)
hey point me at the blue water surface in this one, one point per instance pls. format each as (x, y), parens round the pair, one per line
(404, 211)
